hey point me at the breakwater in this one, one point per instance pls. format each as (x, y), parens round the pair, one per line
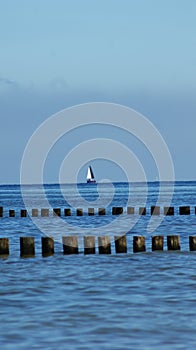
(103, 246)
(45, 212)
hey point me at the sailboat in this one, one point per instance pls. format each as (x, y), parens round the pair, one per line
(90, 176)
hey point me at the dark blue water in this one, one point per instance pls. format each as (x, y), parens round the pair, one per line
(128, 301)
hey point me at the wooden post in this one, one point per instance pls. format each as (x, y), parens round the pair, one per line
(130, 210)
(142, 211)
(157, 243)
(173, 242)
(89, 245)
(168, 210)
(1, 212)
(120, 244)
(35, 212)
(67, 212)
(4, 246)
(79, 212)
(91, 211)
(70, 245)
(56, 212)
(101, 211)
(23, 213)
(104, 245)
(47, 246)
(184, 210)
(117, 210)
(192, 243)
(44, 212)
(27, 247)
(12, 213)
(139, 244)
(155, 210)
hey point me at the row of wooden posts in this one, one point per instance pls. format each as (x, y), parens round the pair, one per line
(70, 245)
(154, 210)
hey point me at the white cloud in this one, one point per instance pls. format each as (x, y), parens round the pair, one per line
(7, 81)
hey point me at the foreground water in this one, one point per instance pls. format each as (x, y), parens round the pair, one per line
(128, 301)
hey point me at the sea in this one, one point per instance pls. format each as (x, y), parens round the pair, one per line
(123, 301)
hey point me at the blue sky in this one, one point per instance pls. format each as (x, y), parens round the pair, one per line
(55, 54)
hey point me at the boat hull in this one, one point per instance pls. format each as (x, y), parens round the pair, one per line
(91, 181)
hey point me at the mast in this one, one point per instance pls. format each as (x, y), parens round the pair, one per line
(91, 171)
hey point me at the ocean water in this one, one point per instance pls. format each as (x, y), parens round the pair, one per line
(118, 301)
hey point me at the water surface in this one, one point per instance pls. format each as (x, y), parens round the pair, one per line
(129, 301)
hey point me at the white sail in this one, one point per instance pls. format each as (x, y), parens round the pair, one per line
(90, 176)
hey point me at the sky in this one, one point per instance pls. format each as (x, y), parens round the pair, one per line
(57, 54)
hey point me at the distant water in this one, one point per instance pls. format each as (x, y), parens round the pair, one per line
(128, 301)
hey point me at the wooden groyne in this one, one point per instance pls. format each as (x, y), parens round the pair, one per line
(70, 245)
(46, 212)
